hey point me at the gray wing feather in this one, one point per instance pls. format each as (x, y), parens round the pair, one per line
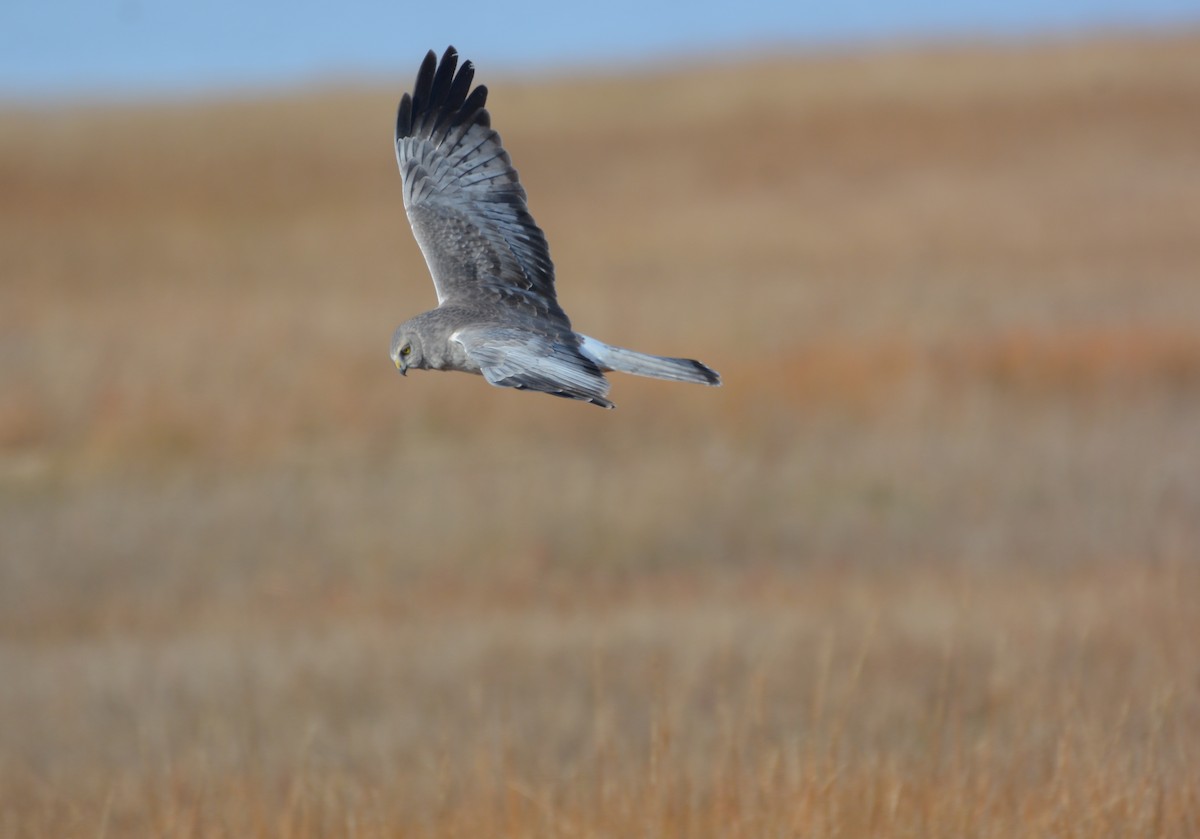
(464, 200)
(528, 361)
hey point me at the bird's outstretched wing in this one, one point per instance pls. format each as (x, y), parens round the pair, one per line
(464, 201)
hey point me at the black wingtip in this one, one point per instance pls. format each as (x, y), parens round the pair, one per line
(424, 83)
(404, 117)
(442, 79)
(472, 104)
(442, 98)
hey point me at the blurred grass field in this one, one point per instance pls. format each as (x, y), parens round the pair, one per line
(927, 565)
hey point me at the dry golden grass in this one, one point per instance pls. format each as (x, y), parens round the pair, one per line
(926, 566)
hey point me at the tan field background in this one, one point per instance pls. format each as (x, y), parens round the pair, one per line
(928, 565)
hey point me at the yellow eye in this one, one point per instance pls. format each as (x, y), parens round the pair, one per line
(406, 351)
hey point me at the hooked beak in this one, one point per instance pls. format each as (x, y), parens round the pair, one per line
(401, 365)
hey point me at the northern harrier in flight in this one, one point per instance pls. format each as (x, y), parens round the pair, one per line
(497, 313)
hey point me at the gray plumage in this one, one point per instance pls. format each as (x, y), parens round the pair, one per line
(497, 313)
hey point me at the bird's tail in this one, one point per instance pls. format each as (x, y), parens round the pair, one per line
(644, 364)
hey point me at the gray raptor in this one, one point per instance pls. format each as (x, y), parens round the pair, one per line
(497, 313)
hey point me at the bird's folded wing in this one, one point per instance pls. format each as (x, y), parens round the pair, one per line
(464, 200)
(528, 361)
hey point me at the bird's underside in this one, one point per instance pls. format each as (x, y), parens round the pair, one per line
(497, 312)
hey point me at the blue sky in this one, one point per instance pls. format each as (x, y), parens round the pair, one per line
(133, 48)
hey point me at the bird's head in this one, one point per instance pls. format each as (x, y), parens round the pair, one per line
(406, 349)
